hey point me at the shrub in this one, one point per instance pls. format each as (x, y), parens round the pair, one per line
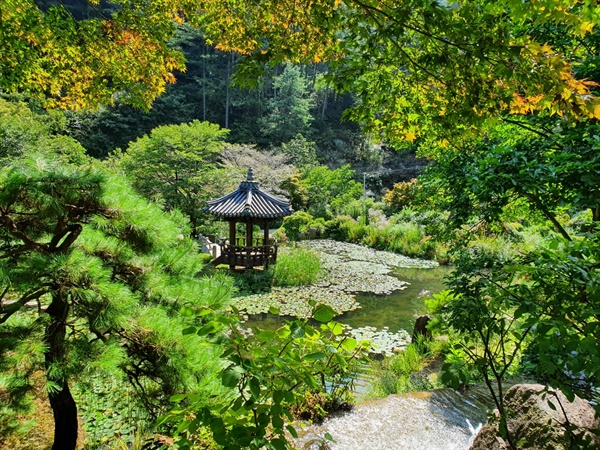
(401, 194)
(401, 372)
(296, 225)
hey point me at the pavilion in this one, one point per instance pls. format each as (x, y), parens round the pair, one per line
(252, 206)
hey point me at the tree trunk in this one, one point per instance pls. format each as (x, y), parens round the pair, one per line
(229, 64)
(204, 62)
(59, 394)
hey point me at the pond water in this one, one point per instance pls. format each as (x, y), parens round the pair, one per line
(392, 313)
(400, 309)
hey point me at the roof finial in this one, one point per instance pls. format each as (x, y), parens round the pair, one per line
(250, 176)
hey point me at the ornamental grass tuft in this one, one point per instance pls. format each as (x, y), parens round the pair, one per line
(296, 266)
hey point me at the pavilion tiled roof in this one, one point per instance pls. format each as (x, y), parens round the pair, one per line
(248, 201)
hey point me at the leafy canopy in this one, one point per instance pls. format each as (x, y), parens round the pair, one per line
(177, 165)
(421, 68)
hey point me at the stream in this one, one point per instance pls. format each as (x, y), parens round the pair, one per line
(442, 419)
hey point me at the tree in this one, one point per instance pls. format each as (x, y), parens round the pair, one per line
(289, 108)
(421, 69)
(92, 276)
(300, 151)
(329, 190)
(72, 61)
(183, 158)
(270, 169)
(540, 305)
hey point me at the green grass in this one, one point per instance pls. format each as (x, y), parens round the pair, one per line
(296, 266)
(402, 372)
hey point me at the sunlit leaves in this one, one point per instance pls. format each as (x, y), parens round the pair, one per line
(269, 373)
(78, 63)
(421, 70)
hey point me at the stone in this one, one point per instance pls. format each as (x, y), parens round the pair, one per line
(537, 425)
(420, 328)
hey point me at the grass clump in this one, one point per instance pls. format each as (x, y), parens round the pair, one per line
(408, 371)
(296, 266)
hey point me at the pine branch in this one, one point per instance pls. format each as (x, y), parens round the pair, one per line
(12, 308)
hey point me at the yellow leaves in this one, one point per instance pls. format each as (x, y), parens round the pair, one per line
(525, 105)
(593, 108)
(566, 93)
(585, 27)
(410, 135)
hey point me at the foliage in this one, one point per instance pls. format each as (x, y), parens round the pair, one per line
(401, 373)
(424, 69)
(407, 238)
(267, 374)
(328, 190)
(23, 130)
(355, 208)
(106, 272)
(301, 152)
(296, 191)
(548, 172)
(400, 195)
(316, 406)
(289, 109)
(296, 266)
(270, 168)
(296, 226)
(74, 57)
(543, 303)
(177, 165)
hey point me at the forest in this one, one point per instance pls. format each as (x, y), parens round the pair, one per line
(418, 134)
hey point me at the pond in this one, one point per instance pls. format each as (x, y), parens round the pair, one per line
(378, 294)
(399, 309)
(396, 311)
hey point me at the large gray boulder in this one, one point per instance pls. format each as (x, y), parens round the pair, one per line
(537, 425)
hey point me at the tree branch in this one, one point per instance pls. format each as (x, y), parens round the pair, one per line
(12, 308)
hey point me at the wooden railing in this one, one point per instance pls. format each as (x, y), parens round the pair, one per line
(256, 242)
(248, 256)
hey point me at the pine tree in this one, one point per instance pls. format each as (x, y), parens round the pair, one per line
(91, 274)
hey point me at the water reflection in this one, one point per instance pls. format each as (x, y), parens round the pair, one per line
(400, 309)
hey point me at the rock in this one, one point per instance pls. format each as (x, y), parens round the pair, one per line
(421, 328)
(536, 425)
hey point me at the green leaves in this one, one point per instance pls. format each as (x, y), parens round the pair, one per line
(324, 313)
(182, 158)
(269, 374)
(231, 377)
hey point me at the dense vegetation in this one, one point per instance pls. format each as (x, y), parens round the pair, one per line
(100, 276)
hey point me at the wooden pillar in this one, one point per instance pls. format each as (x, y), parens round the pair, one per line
(231, 243)
(249, 232)
(266, 235)
(232, 232)
(266, 248)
